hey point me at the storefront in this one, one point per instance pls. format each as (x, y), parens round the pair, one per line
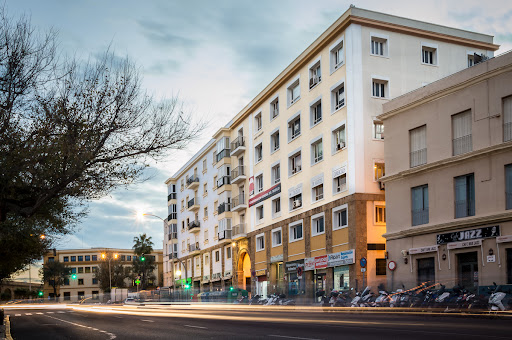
(294, 271)
(261, 279)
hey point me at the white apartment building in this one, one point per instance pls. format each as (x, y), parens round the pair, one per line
(294, 201)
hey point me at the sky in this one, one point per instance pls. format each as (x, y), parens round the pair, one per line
(216, 56)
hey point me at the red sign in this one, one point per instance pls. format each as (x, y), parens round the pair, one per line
(321, 262)
(276, 189)
(392, 265)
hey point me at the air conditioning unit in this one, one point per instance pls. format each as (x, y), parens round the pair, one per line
(297, 204)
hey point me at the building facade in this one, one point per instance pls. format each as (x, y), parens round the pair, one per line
(84, 264)
(287, 196)
(449, 179)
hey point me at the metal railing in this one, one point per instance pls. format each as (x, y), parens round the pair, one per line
(239, 229)
(418, 157)
(419, 217)
(238, 142)
(464, 208)
(194, 224)
(226, 153)
(225, 235)
(192, 180)
(238, 200)
(193, 201)
(223, 207)
(171, 196)
(462, 145)
(507, 132)
(238, 171)
(193, 247)
(172, 216)
(223, 180)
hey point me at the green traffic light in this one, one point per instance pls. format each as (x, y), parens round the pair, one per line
(40, 294)
(187, 286)
(73, 276)
(230, 288)
(143, 259)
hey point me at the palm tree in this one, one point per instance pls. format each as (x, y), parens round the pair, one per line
(55, 273)
(142, 245)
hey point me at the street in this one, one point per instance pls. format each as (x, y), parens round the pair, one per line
(249, 322)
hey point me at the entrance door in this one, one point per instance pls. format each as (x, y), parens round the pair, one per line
(320, 285)
(426, 270)
(468, 270)
(509, 266)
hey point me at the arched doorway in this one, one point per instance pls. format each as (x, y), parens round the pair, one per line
(244, 271)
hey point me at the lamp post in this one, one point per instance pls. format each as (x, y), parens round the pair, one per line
(104, 257)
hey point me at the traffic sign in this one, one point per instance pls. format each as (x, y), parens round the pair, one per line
(137, 282)
(362, 262)
(392, 265)
(363, 270)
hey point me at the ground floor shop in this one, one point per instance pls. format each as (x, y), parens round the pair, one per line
(472, 257)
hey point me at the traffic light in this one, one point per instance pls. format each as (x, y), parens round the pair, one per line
(231, 288)
(142, 258)
(187, 286)
(40, 294)
(73, 276)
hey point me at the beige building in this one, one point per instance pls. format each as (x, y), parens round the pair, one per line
(84, 264)
(449, 179)
(287, 196)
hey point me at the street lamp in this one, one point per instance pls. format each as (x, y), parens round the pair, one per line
(104, 257)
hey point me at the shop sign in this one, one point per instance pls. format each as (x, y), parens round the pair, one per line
(309, 263)
(251, 185)
(260, 272)
(422, 250)
(321, 262)
(491, 258)
(277, 258)
(464, 244)
(341, 258)
(276, 189)
(466, 235)
(292, 267)
(502, 239)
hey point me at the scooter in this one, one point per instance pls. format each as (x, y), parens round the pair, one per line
(357, 300)
(496, 299)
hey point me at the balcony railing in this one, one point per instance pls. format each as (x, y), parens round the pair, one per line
(238, 171)
(194, 224)
(507, 132)
(462, 145)
(238, 200)
(172, 216)
(193, 201)
(239, 229)
(223, 180)
(314, 80)
(192, 180)
(419, 217)
(464, 208)
(238, 142)
(225, 235)
(171, 196)
(193, 247)
(223, 154)
(223, 207)
(418, 157)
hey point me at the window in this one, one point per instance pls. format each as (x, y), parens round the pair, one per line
(295, 163)
(128, 258)
(51, 259)
(315, 75)
(205, 236)
(294, 128)
(217, 256)
(380, 170)
(259, 214)
(259, 183)
(336, 55)
(507, 119)
(258, 153)
(276, 207)
(379, 46)
(340, 183)
(66, 258)
(294, 92)
(274, 142)
(214, 182)
(318, 192)
(258, 124)
(508, 186)
(429, 55)
(80, 270)
(317, 225)
(94, 257)
(378, 130)
(296, 231)
(471, 60)
(80, 282)
(274, 108)
(277, 237)
(87, 257)
(260, 242)
(276, 173)
(296, 202)
(66, 282)
(80, 258)
(465, 196)
(216, 232)
(380, 267)
(419, 204)
(380, 214)
(380, 88)
(315, 112)
(418, 145)
(73, 270)
(205, 167)
(182, 184)
(338, 138)
(205, 212)
(339, 217)
(338, 98)
(461, 131)
(73, 258)
(317, 153)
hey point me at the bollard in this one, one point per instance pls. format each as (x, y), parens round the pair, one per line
(1, 316)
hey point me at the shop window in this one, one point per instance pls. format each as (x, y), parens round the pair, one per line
(380, 267)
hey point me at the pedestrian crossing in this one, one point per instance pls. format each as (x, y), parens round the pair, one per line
(38, 313)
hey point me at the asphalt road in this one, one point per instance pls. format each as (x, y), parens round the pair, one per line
(221, 322)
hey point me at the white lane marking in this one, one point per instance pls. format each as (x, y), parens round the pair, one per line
(28, 313)
(39, 313)
(147, 320)
(50, 312)
(290, 337)
(192, 326)
(119, 317)
(17, 314)
(61, 312)
(111, 335)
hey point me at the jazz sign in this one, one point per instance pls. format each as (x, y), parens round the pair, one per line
(466, 235)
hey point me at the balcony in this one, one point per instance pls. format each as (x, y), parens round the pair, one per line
(173, 236)
(194, 226)
(192, 182)
(171, 196)
(223, 207)
(225, 235)
(172, 216)
(462, 145)
(239, 231)
(420, 217)
(193, 248)
(238, 203)
(238, 146)
(226, 153)
(193, 204)
(223, 181)
(238, 174)
(418, 157)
